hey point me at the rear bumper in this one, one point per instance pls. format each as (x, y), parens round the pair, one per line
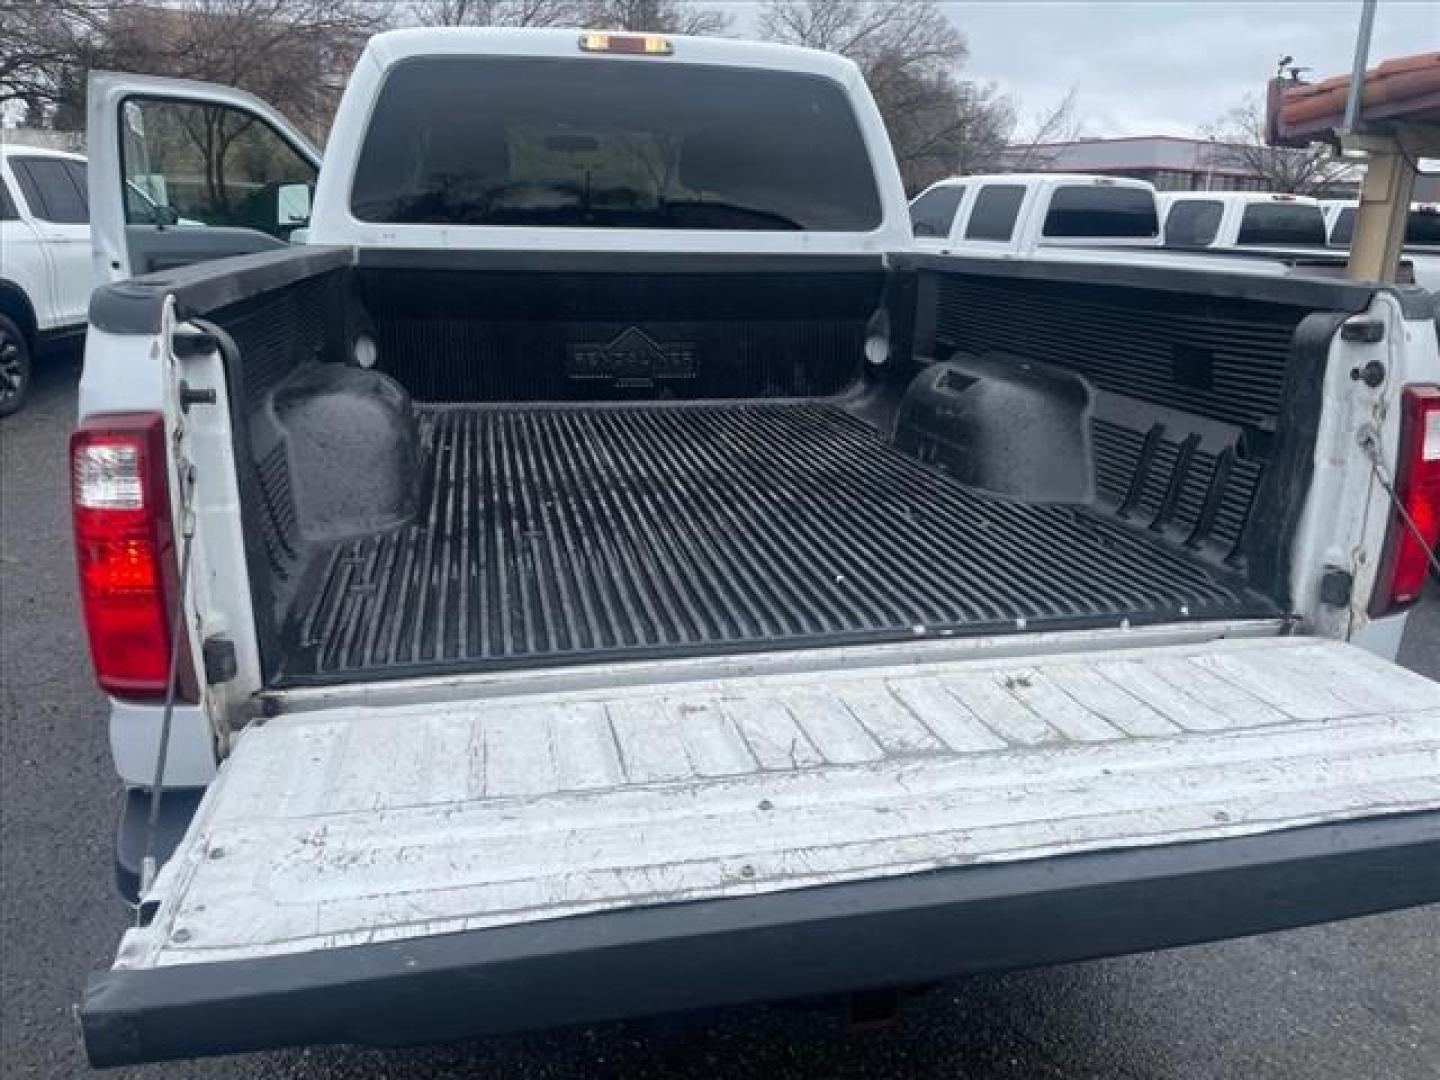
(789, 944)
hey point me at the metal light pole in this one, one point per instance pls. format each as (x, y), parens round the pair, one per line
(1357, 71)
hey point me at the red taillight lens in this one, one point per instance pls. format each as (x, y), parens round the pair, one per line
(1406, 562)
(124, 548)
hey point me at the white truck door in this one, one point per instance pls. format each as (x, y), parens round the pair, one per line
(184, 172)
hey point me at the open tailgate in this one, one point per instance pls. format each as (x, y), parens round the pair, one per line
(548, 852)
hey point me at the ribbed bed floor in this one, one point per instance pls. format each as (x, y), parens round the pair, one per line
(553, 534)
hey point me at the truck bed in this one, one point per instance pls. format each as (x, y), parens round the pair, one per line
(558, 533)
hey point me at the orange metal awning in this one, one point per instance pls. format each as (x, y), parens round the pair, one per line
(1405, 90)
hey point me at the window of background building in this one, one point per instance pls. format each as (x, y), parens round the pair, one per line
(1173, 180)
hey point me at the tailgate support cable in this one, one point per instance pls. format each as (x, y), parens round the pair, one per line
(148, 868)
(1370, 443)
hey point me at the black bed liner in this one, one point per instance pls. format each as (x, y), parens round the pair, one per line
(565, 533)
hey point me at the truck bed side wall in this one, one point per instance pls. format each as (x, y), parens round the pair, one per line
(1204, 388)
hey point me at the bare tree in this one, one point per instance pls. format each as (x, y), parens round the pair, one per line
(1032, 145)
(498, 12)
(293, 53)
(909, 53)
(39, 42)
(654, 16)
(976, 144)
(1239, 144)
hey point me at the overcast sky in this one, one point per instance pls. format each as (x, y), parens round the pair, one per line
(1167, 68)
(1147, 68)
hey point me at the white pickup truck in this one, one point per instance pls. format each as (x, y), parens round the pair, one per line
(1422, 237)
(1019, 214)
(605, 571)
(1241, 219)
(1422, 226)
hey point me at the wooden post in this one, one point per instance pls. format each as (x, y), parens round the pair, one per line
(1384, 208)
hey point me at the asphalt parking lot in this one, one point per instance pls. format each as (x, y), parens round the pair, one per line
(1353, 1000)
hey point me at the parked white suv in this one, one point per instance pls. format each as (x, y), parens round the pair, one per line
(45, 263)
(44, 259)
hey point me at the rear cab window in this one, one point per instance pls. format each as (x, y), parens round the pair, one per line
(8, 212)
(50, 189)
(1101, 211)
(933, 213)
(1193, 222)
(1282, 224)
(994, 214)
(1422, 228)
(602, 143)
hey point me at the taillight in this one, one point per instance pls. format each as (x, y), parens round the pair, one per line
(1406, 561)
(125, 551)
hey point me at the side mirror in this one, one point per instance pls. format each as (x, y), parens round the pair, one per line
(165, 215)
(292, 205)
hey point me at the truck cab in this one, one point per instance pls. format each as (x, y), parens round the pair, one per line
(607, 569)
(1422, 227)
(1421, 249)
(1229, 220)
(1018, 214)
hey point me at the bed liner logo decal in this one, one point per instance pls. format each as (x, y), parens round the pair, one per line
(632, 358)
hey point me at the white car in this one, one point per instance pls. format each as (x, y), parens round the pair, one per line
(44, 259)
(45, 256)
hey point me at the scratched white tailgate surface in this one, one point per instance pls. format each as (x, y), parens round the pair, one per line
(340, 827)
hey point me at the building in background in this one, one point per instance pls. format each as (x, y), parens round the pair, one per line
(1169, 162)
(73, 141)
